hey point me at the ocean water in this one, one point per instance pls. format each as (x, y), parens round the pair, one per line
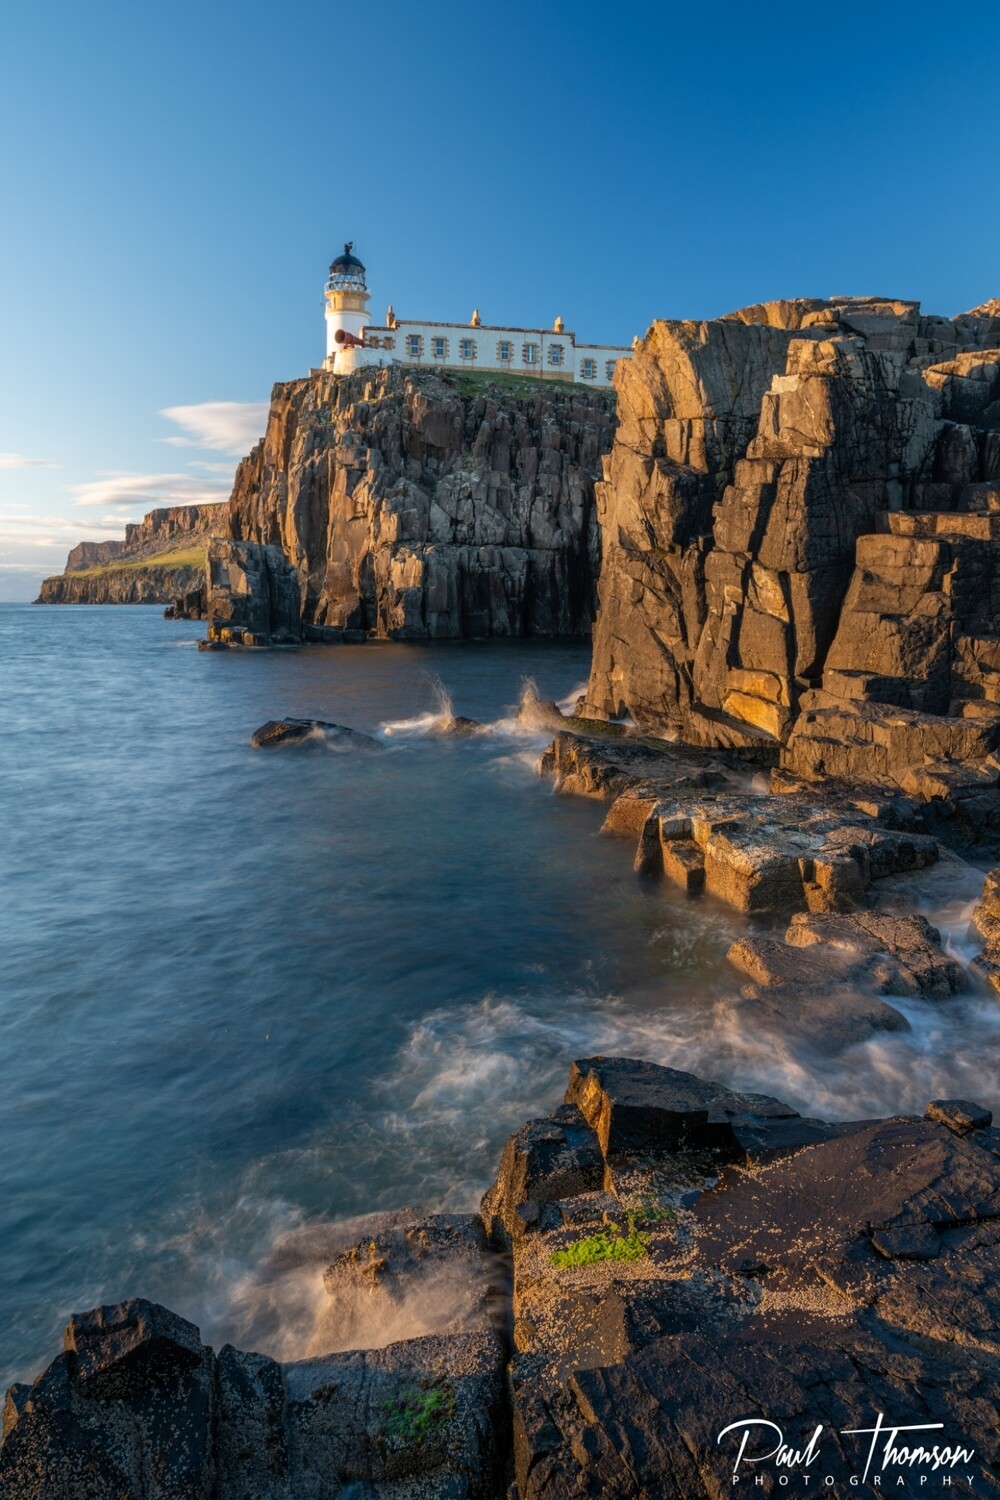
(248, 995)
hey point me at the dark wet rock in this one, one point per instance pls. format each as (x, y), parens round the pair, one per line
(116, 1348)
(826, 1020)
(296, 731)
(141, 1410)
(649, 1425)
(874, 951)
(698, 1257)
(907, 1242)
(134, 1381)
(635, 1106)
(851, 1272)
(251, 1441)
(189, 605)
(702, 829)
(959, 1115)
(543, 1161)
(252, 594)
(421, 1418)
(459, 727)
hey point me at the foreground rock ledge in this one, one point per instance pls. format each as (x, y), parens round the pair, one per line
(681, 1256)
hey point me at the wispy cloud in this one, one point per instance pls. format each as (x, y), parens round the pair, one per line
(224, 426)
(33, 546)
(18, 461)
(19, 525)
(150, 490)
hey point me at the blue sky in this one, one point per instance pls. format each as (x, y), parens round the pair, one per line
(176, 178)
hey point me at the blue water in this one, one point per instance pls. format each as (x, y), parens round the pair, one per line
(245, 994)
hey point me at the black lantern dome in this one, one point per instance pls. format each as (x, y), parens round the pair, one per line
(347, 274)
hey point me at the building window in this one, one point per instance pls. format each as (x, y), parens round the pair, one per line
(555, 354)
(588, 369)
(467, 348)
(414, 345)
(505, 351)
(388, 343)
(439, 348)
(609, 368)
(529, 354)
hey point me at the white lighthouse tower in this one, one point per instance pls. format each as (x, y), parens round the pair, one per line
(347, 314)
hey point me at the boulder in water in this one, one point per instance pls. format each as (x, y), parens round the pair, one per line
(456, 726)
(294, 731)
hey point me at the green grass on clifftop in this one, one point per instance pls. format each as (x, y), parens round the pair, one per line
(190, 557)
(477, 382)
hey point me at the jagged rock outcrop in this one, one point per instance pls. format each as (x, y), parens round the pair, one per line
(93, 555)
(818, 1278)
(801, 535)
(414, 505)
(160, 560)
(251, 594)
(136, 1406)
(661, 1257)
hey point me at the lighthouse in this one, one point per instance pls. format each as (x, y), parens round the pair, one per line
(347, 314)
(352, 343)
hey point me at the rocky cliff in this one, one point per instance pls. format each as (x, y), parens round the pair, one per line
(162, 557)
(658, 1258)
(150, 583)
(801, 533)
(415, 504)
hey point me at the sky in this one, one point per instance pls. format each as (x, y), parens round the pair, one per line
(175, 179)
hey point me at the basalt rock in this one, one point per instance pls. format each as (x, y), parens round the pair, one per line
(137, 1408)
(298, 731)
(253, 594)
(826, 1274)
(986, 923)
(801, 541)
(889, 955)
(682, 1256)
(412, 505)
(760, 854)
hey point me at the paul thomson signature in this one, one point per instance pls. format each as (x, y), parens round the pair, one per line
(894, 1456)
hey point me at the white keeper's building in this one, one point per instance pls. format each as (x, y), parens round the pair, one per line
(352, 341)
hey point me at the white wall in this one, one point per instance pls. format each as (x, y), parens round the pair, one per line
(486, 357)
(351, 322)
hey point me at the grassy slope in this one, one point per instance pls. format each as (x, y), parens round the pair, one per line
(190, 557)
(473, 382)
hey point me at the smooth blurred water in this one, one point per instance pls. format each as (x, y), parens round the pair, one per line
(244, 994)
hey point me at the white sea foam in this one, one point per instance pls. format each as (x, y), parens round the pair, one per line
(432, 721)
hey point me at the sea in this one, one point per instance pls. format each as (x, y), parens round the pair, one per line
(247, 996)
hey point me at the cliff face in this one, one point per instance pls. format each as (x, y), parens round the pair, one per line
(171, 527)
(416, 504)
(802, 511)
(93, 555)
(152, 584)
(161, 558)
